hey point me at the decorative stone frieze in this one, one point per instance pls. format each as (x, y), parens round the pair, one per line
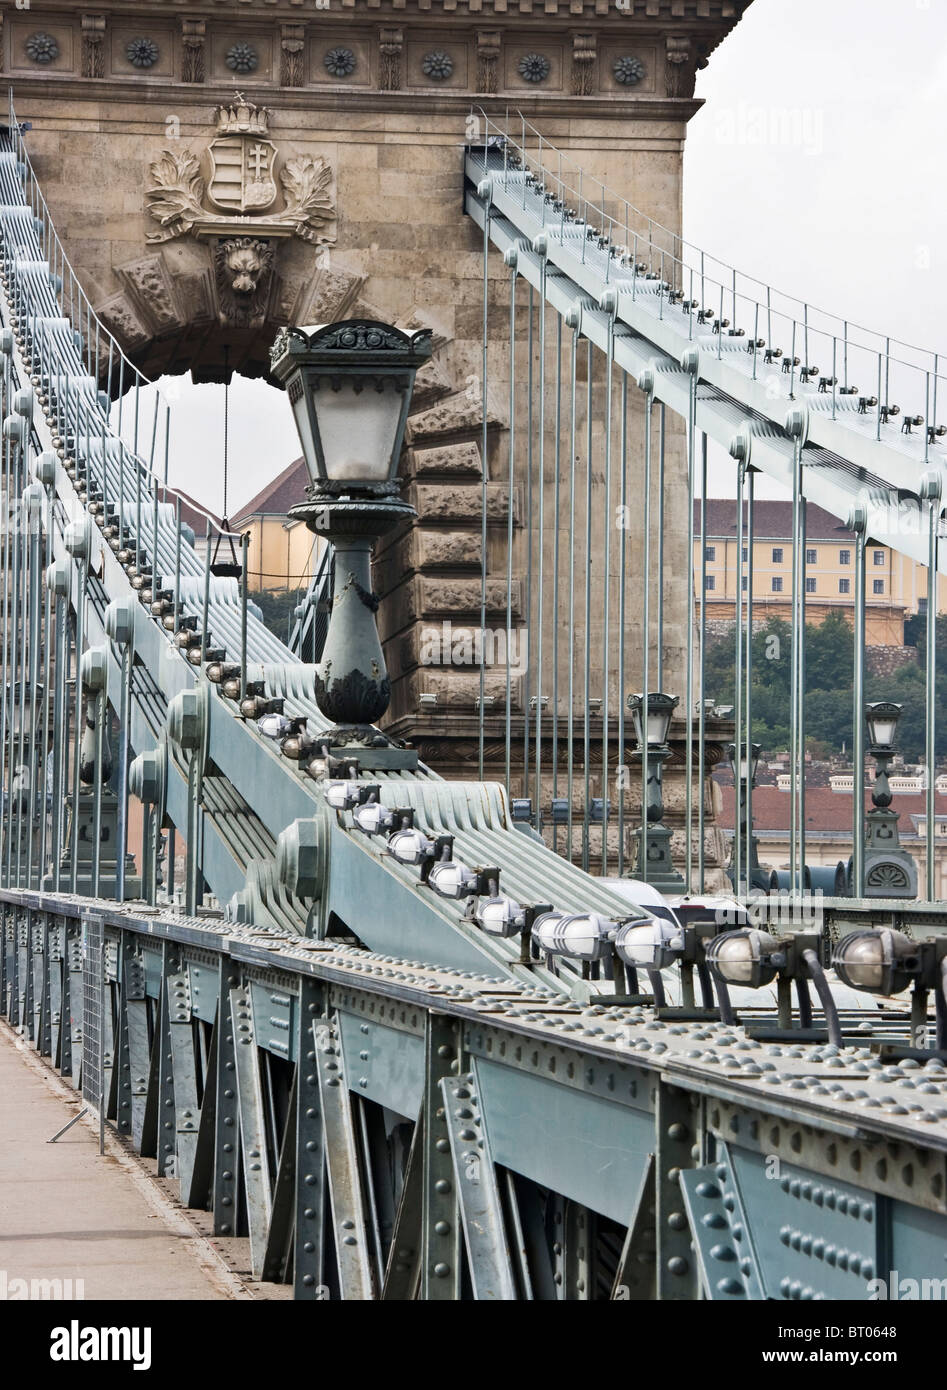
(488, 53)
(583, 64)
(391, 48)
(93, 38)
(292, 54)
(193, 37)
(681, 66)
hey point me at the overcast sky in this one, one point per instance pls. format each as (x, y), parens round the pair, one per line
(817, 165)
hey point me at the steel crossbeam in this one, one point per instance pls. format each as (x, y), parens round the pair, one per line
(528, 1153)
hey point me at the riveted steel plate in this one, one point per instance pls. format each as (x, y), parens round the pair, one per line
(382, 1063)
(564, 1138)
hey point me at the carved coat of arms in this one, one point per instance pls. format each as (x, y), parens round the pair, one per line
(244, 168)
(242, 180)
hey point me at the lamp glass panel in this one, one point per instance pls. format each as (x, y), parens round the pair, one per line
(882, 731)
(304, 429)
(753, 763)
(358, 429)
(659, 721)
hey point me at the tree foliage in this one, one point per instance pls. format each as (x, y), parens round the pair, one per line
(829, 655)
(276, 606)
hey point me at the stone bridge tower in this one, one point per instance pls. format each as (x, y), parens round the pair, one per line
(219, 168)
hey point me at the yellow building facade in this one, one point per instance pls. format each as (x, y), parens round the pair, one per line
(283, 554)
(895, 586)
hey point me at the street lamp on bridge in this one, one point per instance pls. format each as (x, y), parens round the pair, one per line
(744, 770)
(890, 871)
(652, 720)
(350, 386)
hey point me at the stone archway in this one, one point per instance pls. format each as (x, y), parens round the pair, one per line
(177, 312)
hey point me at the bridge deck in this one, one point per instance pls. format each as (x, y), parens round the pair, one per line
(68, 1214)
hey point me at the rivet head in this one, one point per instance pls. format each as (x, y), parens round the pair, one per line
(677, 1265)
(441, 1270)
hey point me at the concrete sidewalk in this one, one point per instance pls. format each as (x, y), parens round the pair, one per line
(68, 1213)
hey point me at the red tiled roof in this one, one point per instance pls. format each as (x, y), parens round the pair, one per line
(825, 809)
(283, 492)
(771, 521)
(192, 513)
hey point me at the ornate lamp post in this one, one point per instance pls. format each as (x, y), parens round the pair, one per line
(652, 719)
(350, 386)
(890, 872)
(752, 874)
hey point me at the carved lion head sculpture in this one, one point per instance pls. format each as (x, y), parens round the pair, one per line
(246, 260)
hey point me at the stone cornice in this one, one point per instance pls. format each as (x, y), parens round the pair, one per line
(668, 14)
(707, 21)
(414, 103)
(583, 48)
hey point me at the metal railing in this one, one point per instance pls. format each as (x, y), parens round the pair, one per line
(856, 369)
(581, 459)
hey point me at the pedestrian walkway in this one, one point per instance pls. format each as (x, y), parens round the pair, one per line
(69, 1213)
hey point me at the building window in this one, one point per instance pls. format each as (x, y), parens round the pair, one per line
(777, 586)
(845, 586)
(710, 552)
(878, 586)
(777, 557)
(710, 582)
(845, 557)
(810, 585)
(746, 555)
(744, 583)
(811, 557)
(878, 556)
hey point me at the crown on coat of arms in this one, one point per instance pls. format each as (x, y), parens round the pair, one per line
(242, 117)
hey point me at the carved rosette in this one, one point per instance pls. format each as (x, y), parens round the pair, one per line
(391, 47)
(93, 35)
(488, 53)
(193, 35)
(583, 64)
(292, 44)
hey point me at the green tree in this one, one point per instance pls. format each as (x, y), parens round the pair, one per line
(276, 607)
